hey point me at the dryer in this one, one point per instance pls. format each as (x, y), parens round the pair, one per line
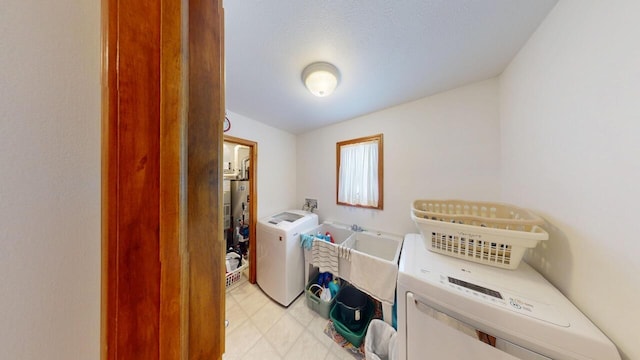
(455, 309)
(280, 259)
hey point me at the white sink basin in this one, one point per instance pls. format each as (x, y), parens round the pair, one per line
(383, 246)
(338, 233)
(374, 243)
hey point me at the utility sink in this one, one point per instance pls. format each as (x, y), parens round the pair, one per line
(384, 251)
(383, 246)
(340, 234)
(380, 245)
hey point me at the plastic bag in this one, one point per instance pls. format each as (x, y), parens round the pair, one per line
(322, 292)
(325, 295)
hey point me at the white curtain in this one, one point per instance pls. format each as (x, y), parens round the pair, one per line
(359, 174)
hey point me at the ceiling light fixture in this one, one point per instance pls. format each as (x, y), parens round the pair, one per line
(321, 78)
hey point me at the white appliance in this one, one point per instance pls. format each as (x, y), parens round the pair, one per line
(240, 201)
(280, 260)
(226, 202)
(445, 304)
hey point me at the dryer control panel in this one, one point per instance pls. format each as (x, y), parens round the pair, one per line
(499, 297)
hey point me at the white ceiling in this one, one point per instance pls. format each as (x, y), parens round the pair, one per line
(388, 52)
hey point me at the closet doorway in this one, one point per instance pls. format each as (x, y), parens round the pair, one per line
(240, 198)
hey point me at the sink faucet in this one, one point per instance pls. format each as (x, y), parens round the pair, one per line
(357, 228)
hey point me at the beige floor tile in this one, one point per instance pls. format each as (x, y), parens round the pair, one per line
(236, 317)
(262, 350)
(227, 356)
(252, 303)
(330, 356)
(243, 291)
(240, 340)
(229, 302)
(301, 312)
(284, 333)
(340, 353)
(307, 347)
(316, 328)
(267, 316)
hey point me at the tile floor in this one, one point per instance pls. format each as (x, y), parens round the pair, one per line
(260, 328)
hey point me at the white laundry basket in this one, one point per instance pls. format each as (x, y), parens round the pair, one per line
(380, 341)
(485, 214)
(488, 233)
(235, 278)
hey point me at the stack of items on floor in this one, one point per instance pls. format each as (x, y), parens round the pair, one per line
(321, 293)
(349, 309)
(352, 314)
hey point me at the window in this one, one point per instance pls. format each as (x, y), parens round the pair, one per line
(359, 172)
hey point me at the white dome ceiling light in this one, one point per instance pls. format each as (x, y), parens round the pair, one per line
(321, 78)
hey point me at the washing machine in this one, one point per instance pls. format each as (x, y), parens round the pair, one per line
(455, 309)
(280, 258)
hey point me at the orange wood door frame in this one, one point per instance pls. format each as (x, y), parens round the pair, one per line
(253, 201)
(162, 244)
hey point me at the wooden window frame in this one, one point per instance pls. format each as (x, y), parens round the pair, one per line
(380, 140)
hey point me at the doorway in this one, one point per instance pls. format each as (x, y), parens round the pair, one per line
(240, 199)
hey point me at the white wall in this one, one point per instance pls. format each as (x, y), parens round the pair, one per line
(234, 154)
(570, 125)
(443, 146)
(50, 179)
(276, 165)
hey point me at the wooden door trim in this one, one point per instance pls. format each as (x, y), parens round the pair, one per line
(173, 239)
(162, 108)
(131, 264)
(206, 243)
(253, 203)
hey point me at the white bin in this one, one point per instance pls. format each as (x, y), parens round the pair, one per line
(380, 341)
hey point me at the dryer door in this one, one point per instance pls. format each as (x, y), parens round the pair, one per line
(432, 334)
